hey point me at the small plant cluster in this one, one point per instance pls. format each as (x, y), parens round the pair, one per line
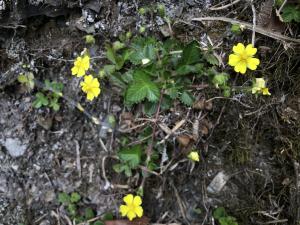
(223, 218)
(77, 213)
(149, 71)
(50, 92)
(50, 95)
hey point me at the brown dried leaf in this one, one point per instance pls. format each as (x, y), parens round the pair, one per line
(208, 105)
(184, 140)
(200, 104)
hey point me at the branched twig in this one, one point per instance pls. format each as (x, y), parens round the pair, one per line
(249, 26)
(224, 6)
(254, 23)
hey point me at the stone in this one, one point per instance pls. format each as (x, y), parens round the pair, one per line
(14, 147)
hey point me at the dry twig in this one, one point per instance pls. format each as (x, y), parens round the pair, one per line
(249, 26)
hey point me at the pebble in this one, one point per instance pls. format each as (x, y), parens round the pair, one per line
(14, 147)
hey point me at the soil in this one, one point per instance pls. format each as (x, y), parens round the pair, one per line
(252, 143)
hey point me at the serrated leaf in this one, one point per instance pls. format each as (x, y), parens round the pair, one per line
(191, 54)
(187, 99)
(220, 79)
(131, 156)
(141, 88)
(290, 13)
(211, 59)
(185, 69)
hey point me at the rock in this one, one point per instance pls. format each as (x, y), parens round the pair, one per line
(14, 147)
(218, 183)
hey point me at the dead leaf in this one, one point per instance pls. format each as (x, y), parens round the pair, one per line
(200, 104)
(184, 140)
(208, 105)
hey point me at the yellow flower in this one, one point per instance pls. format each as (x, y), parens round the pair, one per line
(243, 58)
(81, 65)
(259, 87)
(132, 208)
(91, 87)
(194, 156)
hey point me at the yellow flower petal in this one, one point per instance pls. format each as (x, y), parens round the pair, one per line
(88, 79)
(131, 215)
(194, 156)
(137, 201)
(252, 63)
(241, 67)
(239, 48)
(265, 91)
(260, 83)
(81, 72)
(86, 62)
(233, 60)
(139, 211)
(128, 199)
(250, 51)
(255, 90)
(90, 96)
(74, 70)
(124, 210)
(77, 61)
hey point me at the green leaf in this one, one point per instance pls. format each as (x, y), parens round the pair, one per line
(54, 104)
(41, 100)
(185, 69)
(63, 198)
(141, 88)
(115, 58)
(220, 79)
(143, 48)
(211, 59)
(118, 168)
(72, 209)
(235, 28)
(149, 108)
(75, 197)
(108, 216)
(219, 213)
(109, 69)
(186, 98)
(131, 156)
(191, 54)
(290, 13)
(98, 223)
(89, 213)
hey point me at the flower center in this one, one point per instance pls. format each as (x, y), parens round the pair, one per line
(244, 56)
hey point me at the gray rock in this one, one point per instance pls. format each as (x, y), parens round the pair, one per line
(14, 147)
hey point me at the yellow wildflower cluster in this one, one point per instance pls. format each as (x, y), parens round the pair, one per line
(243, 59)
(89, 85)
(132, 208)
